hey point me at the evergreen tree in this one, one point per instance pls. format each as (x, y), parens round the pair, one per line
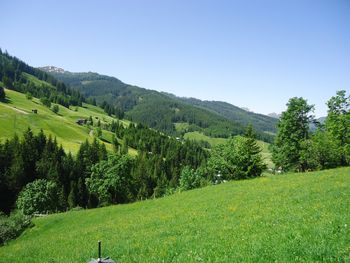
(2, 93)
(73, 195)
(239, 158)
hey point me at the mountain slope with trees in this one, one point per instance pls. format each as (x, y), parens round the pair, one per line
(18, 76)
(260, 122)
(139, 105)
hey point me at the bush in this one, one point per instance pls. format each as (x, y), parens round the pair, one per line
(45, 101)
(191, 179)
(40, 196)
(55, 108)
(12, 226)
(29, 96)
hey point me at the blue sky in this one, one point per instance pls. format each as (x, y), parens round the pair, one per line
(254, 54)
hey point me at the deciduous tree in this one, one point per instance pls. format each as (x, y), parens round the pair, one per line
(293, 130)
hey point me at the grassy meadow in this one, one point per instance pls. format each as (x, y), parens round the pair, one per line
(275, 218)
(265, 152)
(16, 116)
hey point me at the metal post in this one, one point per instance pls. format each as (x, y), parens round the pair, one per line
(99, 252)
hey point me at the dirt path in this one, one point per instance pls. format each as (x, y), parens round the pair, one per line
(15, 109)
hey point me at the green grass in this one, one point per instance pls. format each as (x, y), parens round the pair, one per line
(16, 116)
(280, 218)
(266, 154)
(197, 136)
(36, 81)
(181, 126)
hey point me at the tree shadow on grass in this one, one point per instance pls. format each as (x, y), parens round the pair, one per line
(104, 140)
(6, 100)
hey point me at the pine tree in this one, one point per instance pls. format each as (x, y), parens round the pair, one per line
(2, 93)
(72, 197)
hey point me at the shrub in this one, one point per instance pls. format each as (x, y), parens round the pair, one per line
(45, 101)
(29, 96)
(40, 196)
(12, 226)
(55, 108)
(190, 179)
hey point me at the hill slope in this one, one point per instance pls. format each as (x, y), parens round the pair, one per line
(283, 218)
(259, 121)
(139, 105)
(16, 116)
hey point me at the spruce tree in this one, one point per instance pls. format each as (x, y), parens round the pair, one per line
(2, 93)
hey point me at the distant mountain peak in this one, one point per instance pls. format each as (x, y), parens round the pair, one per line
(52, 69)
(246, 109)
(274, 115)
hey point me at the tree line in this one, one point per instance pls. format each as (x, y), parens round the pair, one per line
(36, 165)
(297, 148)
(12, 75)
(156, 167)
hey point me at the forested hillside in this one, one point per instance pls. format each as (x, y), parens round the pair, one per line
(260, 122)
(138, 105)
(31, 149)
(113, 160)
(17, 75)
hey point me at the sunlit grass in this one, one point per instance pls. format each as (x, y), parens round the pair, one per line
(197, 136)
(280, 218)
(16, 116)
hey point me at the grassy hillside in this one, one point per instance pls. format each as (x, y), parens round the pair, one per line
(197, 136)
(16, 116)
(281, 218)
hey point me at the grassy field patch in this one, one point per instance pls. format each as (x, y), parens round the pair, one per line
(280, 218)
(16, 116)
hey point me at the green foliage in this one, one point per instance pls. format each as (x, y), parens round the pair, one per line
(2, 93)
(191, 179)
(40, 196)
(7, 81)
(13, 225)
(17, 75)
(17, 116)
(99, 132)
(293, 130)
(290, 218)
(338, 124)
(55, 108)
(110, 179)
(138, 104)
(260, 122)
(45, 101)
(156, 168)
(239, 158)
(29, 96)
(320, 151)
(35, 157)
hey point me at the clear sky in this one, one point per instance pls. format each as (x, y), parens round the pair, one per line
(254, 54)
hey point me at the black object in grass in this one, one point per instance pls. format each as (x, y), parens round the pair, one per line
(99, 259)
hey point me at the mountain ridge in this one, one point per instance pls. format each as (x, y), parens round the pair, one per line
(138, 104)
